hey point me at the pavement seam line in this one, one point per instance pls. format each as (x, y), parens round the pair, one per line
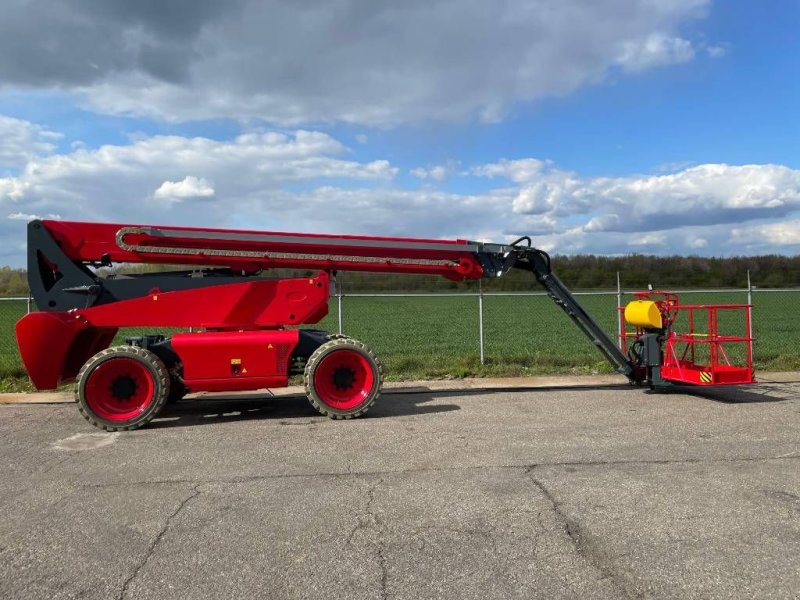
(576, 536)
(611, 463)
(157, 540)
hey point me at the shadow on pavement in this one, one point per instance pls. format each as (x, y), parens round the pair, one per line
(398, 402)
(760, 392)
(210, 410)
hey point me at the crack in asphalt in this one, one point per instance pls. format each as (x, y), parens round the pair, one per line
(157, 540)
(375, 524)
(578, 538)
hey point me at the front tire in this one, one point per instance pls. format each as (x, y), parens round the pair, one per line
(122, 388)
(343, 378)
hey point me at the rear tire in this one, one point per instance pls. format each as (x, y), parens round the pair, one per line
(122, 388)
(343, 378)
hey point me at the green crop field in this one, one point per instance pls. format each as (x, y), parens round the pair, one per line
(438, 336)
(434, 337)
(10, 312)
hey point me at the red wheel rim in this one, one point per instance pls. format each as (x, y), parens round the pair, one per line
(119, 389)
(344, 379)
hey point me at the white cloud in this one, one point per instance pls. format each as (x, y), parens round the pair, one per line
(683, 241)
(672, 167)
(407, 213)
(649, 239)
(518, 171)
(92, 179)
(301, 182)
(20, 141)
(706, 208)
(19, 216)
(188, 187)
(543, 189)
(655, 50)
(785, 233)
(12, 188)
(705, 194)
(250, 175)
(264, 181)
(437, 172)
(701, 195)
(377, 63)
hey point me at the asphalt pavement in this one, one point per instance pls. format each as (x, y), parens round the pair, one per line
(612, 492)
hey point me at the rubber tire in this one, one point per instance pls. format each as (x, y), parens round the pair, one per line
(339, 336)
(153, 364)
(339, 343)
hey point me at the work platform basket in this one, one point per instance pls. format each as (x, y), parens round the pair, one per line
(705, 344)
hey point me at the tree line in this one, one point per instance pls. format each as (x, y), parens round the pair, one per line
(580, 272)
(590, 272)
(13, 282)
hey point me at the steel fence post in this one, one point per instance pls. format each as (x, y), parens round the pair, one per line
(29, 302)
(339, 293)
(619, 314)
(749, 305)
(480, 320)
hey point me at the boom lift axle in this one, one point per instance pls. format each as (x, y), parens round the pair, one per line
(243, 328)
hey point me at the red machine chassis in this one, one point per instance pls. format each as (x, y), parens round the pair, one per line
(244, 328)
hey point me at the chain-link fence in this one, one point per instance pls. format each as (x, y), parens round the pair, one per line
(508, 333)
(441, 334)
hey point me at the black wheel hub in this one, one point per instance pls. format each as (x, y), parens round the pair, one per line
(123, 388)
(344, 378)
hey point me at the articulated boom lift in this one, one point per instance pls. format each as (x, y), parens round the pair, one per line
(242, 327)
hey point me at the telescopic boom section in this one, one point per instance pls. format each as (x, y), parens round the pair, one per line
(253, 251)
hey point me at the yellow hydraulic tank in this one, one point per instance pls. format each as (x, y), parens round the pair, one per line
(643, 313)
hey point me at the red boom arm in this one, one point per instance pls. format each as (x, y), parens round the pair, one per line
(252, 251)
(80, 312)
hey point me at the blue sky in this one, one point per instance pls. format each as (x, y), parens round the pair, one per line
(611, 127)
